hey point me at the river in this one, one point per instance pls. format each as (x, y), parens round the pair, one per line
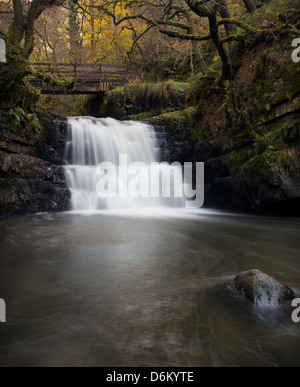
(114, 289)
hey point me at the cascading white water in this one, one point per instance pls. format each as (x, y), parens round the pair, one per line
(93, 141)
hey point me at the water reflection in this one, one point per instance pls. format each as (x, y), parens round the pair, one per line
(143, 291)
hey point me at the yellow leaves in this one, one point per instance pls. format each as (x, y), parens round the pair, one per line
(236, 9)
(100, 36)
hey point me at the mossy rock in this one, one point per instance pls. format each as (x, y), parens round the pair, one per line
(276, 78)
(139, 97)
(270, 178)
(21, 196)
(180, 124)
(257, 288)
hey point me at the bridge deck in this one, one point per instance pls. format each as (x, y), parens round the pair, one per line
(89, 78)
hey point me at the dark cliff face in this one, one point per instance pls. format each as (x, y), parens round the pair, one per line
(238, 176)
(250, 146)
(51, 146)
(32, 177)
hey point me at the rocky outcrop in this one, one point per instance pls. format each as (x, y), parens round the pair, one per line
(250, 145)
(32, 178)
(258, 288)
(171, 149)
(52, 143)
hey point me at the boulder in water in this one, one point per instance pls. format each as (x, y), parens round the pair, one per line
(260, 289)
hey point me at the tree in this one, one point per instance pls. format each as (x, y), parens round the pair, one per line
(20, 45)
(225, 14)
(21, 31)
(192, 31)
(167, 17)
(52, 42)
(210, 11)
(170, 18)
(249, 5)
(74, 32)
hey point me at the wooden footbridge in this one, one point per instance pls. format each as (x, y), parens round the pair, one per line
(88, 78)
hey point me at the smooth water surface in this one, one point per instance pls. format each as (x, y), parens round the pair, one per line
(118, 290)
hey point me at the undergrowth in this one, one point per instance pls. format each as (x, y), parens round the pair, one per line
(137, 97)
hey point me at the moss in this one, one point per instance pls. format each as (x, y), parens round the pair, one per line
(259, 66)
(113, 103)
(276, 136)
(288, 159)
(200, 87)
(143, 116)
(291, 85)
(15, 90)
(248, 171)
(238, 157)
(276, 78)
(181, 124)
(140, 97)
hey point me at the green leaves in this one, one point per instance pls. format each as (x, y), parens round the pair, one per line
(268, 107)
(15, 118)
(22, 123)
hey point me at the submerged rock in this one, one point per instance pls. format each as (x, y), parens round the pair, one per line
(260, 289)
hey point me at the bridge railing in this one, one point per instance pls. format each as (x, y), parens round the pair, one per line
(89, 78)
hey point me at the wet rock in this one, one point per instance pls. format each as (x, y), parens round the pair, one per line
(15, 143)
(23, 166)
(22, 196)
(265, 184)
(257, 288)
(51, 146)
(32, 177)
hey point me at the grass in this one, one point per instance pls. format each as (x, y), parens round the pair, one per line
(289, 159)
(137, 97)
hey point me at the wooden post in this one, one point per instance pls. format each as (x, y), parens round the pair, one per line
(2, 50)
(75, 75)
(100, 78)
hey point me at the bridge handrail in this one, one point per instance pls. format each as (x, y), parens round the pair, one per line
(75, 65)
(89, 77)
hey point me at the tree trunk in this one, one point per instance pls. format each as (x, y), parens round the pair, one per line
(225, 14)
(74, 33)
(14, 90)
(203, 66)
(227, 70)
(211, 13)
(192, 60)
(93, 32)
(196, 48)
(249, 5)
(16, 30)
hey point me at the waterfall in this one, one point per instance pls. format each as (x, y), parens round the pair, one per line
(94, 141)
